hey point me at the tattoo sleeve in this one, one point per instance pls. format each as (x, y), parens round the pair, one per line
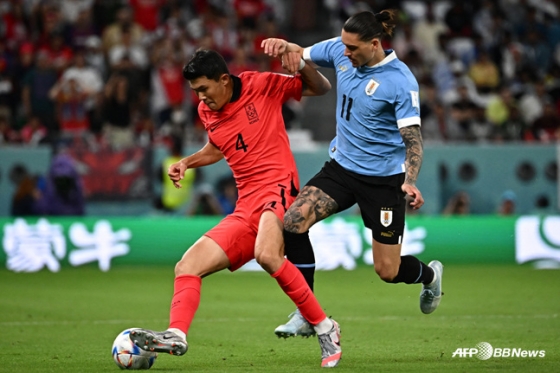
(311, 205)
(412, 139)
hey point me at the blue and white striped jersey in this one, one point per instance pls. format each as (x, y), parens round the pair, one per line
(372, 104)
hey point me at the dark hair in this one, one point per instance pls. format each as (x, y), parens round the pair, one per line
(206, 63)
(369, 25)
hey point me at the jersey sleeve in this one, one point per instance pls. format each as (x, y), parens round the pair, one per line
(282, 86)
(407, 105)
(325, 53)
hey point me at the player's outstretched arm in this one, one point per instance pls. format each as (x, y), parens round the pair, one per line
(412, 138)
(314, 83)
(209, 154)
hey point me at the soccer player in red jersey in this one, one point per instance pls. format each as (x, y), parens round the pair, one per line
(243, 118)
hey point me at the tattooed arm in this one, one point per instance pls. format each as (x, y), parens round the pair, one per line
(412, 139)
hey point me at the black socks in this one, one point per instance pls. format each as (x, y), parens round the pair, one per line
(299, 251)
(413, 271)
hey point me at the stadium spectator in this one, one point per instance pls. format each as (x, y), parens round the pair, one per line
(433, 114)
(127, 51)
(458, 204)
(87, 77)
(227, 194)
(7, 134)
(507, 203)
(426, 32)
(59, 54)
(112, 34)
(546, 128)
(268, 28)
(254, 229)
(484, 73)
(404, 42)
(458, 19)
(33, 132)
(167, 83)
(174, 199)
(355, 174)
(71, 9)
(537, 51)
(118, 131)
(14, 29)
(63, 193)
(26, 194)
(531, 103)
(224, 34)
(503, 115)
(95, 57)
(205, 202)
(463, 114)
(25, 60)
(83, 29)
(70, 98)
(36, 85)
(248, 12)
(147, 12)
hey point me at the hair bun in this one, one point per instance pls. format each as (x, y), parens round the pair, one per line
(382, 16)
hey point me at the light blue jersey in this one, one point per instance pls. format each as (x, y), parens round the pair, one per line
(372, 104)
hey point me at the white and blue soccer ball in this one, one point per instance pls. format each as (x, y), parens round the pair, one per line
(129, 356)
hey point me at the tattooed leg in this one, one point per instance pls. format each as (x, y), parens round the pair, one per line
(311, 205)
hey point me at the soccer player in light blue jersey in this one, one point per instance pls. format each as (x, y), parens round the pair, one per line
(375, 156)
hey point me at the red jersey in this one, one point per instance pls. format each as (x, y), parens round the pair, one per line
(250, 131)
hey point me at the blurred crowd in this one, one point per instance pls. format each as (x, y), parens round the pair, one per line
(110, 70)
(488, 70)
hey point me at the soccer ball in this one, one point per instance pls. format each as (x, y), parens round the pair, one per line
(129, 356)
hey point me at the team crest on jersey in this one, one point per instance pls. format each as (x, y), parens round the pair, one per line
(371, 87)
(342, 68)
(252, 114)
(386, 217)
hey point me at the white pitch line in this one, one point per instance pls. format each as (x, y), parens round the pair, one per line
(254, 319)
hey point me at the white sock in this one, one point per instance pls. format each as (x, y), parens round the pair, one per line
(179, 332)
(324, 326)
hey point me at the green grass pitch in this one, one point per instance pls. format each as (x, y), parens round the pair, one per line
(66, 321)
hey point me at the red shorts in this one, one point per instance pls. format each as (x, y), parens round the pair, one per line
(236, 233)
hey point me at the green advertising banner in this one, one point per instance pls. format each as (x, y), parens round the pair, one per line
(33, 244)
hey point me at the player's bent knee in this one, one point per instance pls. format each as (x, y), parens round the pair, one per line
(183, 268)
(386, 272)
(270, 261)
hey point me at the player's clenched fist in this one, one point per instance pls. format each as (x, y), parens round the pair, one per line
(176, 172)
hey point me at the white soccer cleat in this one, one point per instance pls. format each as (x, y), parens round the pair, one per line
(166, 341)
(331, 352)
(430, 296)
(297, 325)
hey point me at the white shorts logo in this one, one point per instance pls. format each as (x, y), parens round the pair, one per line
(386, 218)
